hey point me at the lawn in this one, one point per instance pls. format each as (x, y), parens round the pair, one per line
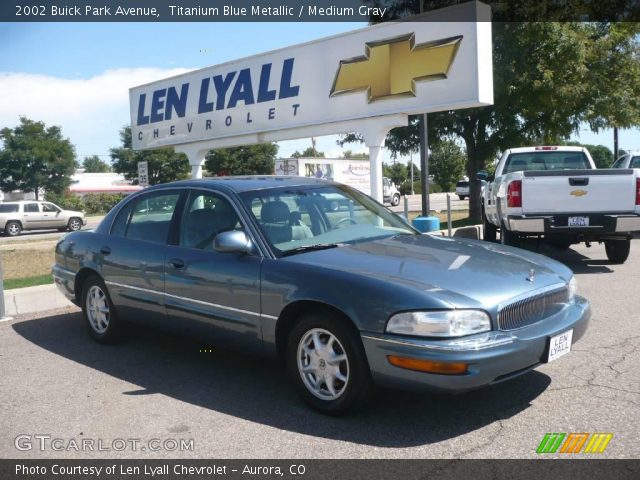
(27, 264)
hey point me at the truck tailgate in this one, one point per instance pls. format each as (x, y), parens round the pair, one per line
(588, 191)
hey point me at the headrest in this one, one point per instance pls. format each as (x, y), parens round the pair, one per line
(275, 212)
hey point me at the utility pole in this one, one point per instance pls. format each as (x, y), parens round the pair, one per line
(615, 143)
(424, 155)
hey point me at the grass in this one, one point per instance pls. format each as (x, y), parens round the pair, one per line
(27, 262)
(28, 281)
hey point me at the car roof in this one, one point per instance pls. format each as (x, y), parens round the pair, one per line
(247, 183)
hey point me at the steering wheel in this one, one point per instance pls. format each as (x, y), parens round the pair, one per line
(345, 220)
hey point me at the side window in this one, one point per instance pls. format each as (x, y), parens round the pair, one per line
(205, 216)
(49, 207)
(618, 163)
(150, 217)
(119, 225)
(635, 162)
(31, 208)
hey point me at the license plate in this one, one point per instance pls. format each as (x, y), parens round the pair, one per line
(578, 221)
(560, 345)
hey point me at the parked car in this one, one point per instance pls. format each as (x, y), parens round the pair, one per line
(32, 215)
(557, 193)
(628, 160)
(346, 298)
(462, 189)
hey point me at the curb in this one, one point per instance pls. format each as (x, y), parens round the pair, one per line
(41, 298)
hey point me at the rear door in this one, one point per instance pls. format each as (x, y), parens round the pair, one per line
(215, 294)
(32, 216)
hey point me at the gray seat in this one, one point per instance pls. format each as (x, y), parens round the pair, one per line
(199, 226)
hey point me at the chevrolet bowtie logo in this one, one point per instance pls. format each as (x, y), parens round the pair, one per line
(578, 193)
(392, 67)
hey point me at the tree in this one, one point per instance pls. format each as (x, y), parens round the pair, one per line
(549, 77)
(250, 160)
(601, 155)
(355, 156)
(164, 164)
(309, 152)
(447, 163)
(397, 172)
(35, 157)
(93, 164)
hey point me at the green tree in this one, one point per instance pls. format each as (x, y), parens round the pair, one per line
(355, 156)
(447, 164)
(602, 156)
(397, 172)
(309, 152)
(93, 164)
(250, 160)
(35, 157)
(165, 165)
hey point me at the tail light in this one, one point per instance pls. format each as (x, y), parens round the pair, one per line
(637, 191)
(514, 194)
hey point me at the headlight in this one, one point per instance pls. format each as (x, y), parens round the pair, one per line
(573, 288)
(444, 323)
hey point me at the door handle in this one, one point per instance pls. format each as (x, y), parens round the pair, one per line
(582, 181)
(105, 250)
(176, 263)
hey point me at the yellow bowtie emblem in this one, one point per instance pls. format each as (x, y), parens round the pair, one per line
(392, 67)
(578, 193)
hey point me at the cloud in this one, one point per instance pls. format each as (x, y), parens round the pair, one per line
(90, 111)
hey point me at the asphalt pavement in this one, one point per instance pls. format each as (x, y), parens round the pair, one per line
(56, 382)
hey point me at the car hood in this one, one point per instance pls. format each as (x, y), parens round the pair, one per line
(465, 273)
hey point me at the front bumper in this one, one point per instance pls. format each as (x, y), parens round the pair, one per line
(599, 223)
(526, 350)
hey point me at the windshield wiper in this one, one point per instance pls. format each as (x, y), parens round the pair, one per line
(311, 248)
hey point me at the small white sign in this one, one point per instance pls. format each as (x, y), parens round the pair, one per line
(560, 345)
(143, 174)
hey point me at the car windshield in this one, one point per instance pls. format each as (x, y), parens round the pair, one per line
(316, 217)
(546, 160)
(8, 208)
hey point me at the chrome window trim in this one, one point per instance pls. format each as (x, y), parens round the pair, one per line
(199, 302)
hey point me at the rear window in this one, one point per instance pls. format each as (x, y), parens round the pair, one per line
(462, 184)
(546, 160)
(8, 208)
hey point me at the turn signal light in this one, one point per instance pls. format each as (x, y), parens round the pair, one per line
(514, 194)
(442, 368)
(637, 191)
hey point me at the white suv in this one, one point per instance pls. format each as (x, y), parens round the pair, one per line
(33, 215)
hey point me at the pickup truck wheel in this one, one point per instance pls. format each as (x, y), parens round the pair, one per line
(98, 312)
(74, 224)
(327, 364)
(461, 197)
(489, 230)
(507, 237)
(395, 200)
(617, 250)
(12, 229)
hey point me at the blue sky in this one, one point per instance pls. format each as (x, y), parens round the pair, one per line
(78, 75)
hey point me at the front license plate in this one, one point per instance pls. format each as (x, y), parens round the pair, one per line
(559, 345)
(578, 221)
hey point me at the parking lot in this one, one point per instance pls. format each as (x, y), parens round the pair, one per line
(55, 381)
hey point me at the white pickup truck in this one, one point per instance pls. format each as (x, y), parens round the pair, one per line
(557, 193)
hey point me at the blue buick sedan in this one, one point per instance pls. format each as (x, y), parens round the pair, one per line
(342, 290)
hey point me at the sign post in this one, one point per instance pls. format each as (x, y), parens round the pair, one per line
(143, 174)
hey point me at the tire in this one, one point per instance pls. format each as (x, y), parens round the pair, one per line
(12, 229)
(74, 224)
(461, 197)
(104, 326)
(617, 250)
(395, 200)
(507, 237)
(349, 378)
(489, 230)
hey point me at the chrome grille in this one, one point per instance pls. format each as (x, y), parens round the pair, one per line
(532, 309)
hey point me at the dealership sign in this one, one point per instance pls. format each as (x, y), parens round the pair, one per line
(387, 69)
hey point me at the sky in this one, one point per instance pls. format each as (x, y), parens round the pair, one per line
(78, 75)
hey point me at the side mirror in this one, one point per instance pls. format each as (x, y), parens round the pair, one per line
(235, 241)
(482, 175)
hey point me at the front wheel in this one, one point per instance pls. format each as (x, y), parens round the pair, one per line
(98, 312)
(395, 200)
(327, 364)
(617, 250)
(74, 224)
